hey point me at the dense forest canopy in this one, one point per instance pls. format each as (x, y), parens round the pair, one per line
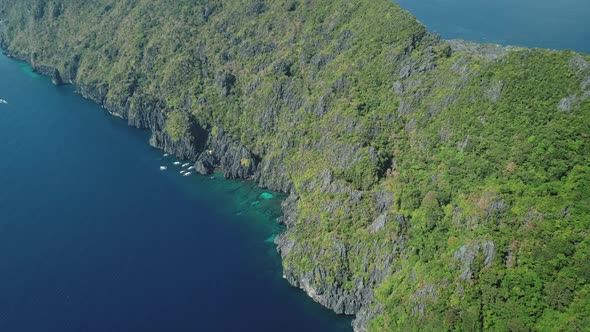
(434, 185)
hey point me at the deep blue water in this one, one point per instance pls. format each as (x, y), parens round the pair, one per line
(555, 24)
(94, 237)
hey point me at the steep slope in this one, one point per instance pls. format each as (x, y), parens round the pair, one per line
(433, 185)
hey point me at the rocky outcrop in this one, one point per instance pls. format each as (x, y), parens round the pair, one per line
(313, 282)
(356, 295)
(53, 73)
(467, 254)
(351, 292)
(378, 224)
(221, 151)
(185, 148)
(567, 104)
(271, 173)
(206, 163)
(489, 51)
(420, 299)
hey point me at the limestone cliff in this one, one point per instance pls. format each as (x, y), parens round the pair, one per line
(432, 184)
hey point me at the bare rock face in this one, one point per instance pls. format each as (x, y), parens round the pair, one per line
(421, 297)
(567, 104)
(205, 164)
(495, 91)
(378, 224)
(489, 51)
(467, 254)
(579, 64)
(234, 158)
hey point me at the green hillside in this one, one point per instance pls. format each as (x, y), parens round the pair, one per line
(434, 185)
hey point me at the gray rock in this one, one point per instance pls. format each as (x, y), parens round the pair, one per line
(578, 63)
(52, 72)
(463, 144)
(321, 106)
(567, 104)
(233, 157)
(341, 84)
(467, 254)
(489, 250)
(284, 245)
(56, 77)
(461, 66)
(203, 167)
(495, 91)
(225, 83)
(398, 87)
(495, 208)
(383, 200)
(378, 224)
(457, 214)
(489, 51)
(184, 148)
(420, 299)
(402, 223)
(405, 71)
(364, 317)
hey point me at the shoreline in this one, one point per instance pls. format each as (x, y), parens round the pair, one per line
(163, 143)
(338, 126)
(187, 149)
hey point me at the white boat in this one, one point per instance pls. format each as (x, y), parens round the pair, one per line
(192, 167)
(165, 155)
(2, 101)
(187, 174)
(186, 164)
(177, 163)
(163, 168)
(182, 172)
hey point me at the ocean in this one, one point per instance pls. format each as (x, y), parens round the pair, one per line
(563, 24)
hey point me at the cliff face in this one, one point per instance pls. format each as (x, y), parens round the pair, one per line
(432, 185)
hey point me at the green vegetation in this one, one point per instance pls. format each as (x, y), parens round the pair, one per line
(245, 162)
(177, 125)
(486, 154)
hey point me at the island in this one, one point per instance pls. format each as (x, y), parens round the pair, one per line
(432, 184)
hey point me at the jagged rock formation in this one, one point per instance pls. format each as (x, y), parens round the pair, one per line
(432, 184)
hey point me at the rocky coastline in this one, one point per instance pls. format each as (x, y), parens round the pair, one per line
(416, 169)
(210, 150)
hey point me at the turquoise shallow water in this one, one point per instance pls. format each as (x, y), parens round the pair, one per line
(563, 24)
(95, 237)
